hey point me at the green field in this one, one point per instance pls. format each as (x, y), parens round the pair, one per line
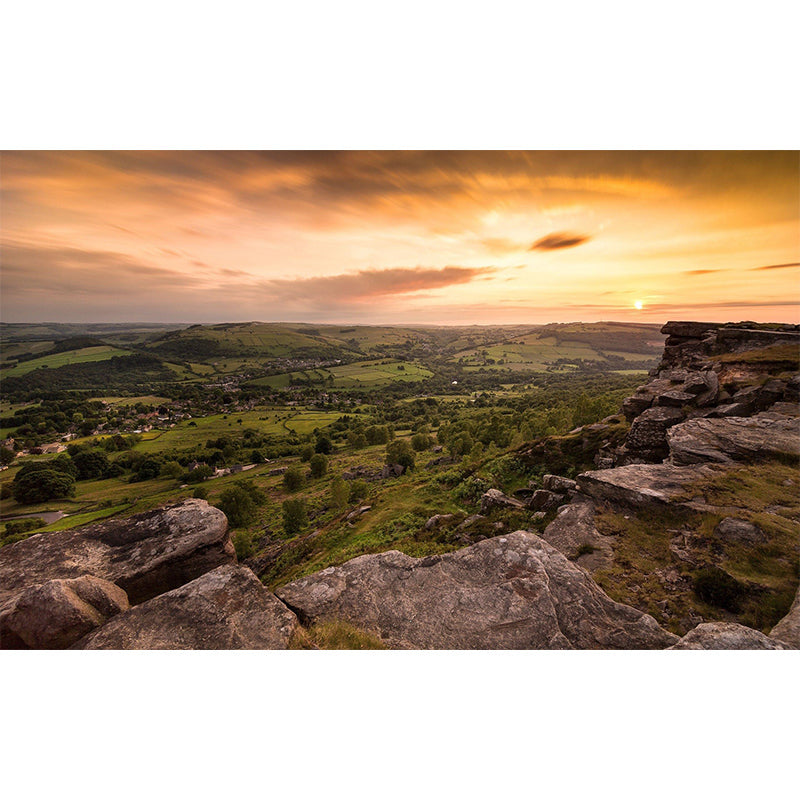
(81, 356)
(362, 374)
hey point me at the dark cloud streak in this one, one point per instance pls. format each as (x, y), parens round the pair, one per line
(559, 241)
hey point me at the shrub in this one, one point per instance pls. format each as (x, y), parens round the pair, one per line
(306, 453)
(323, 445)
(399, 451)
(201, 493)
(421, 441)
(199, 474)
(23, 525)
(41, 485)
(339, 492)
(358, 491)
(293, 479)
(239, 503)
(319, 465)
(90, 464)
(295, 517)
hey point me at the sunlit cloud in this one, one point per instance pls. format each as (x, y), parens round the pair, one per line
(558, 241)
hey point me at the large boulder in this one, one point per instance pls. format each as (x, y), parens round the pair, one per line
(508, 592)
(54, 615)
(788, 629)
(573, 533)
(647, 438)
(225, 609)
(646, 485)
(726, 636)
(145, 555)
(734, 439)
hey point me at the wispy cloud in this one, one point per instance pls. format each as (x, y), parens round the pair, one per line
(558, 241)
(777, 266)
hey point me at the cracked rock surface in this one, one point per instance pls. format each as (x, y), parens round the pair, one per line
(508, 592)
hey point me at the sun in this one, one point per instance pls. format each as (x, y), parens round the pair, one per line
(638, 304)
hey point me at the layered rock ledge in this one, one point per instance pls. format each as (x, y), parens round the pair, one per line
(509, 592)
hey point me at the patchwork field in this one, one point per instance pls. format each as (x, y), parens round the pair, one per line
(82, 356)
(366, 374)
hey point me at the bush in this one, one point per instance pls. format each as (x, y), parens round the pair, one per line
(358, 491)
(306, 453)
(200, 493)
(199, 474)
(324, 445)
(295, 517)
(90, 464)
(239, 503)
(399, 451)
(293, 479)
(339, 492)
(41, 485)
(319, 465)
(23, 525)
(421, 441)
(713, 585)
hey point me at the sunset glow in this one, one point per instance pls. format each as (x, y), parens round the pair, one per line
(408, 237)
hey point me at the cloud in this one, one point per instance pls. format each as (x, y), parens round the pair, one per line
(777, 266)
(558, 241)
(701, 271)
(368, 284)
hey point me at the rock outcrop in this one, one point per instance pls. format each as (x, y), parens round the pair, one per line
(54, 615)
(726, 636)
(711, 370)
(508, 592)
(574, 534)
(787, 630)
(734, 439)
(645, 485)
(225, 609)
(145, 555)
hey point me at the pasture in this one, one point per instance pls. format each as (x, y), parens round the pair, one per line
(83, 355)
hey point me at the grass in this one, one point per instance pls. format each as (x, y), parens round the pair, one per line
(82, 356)
(788, 354)
(362, 374)
(335, 634)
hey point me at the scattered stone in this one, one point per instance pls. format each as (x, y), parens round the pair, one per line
(741, 531)
(726, 636)
(543, 500)
(392, 471)
(436, 520)
(494, 498)
(225, 609)
(357, 512)
(559, 485)
(508, 592)
(146, 554)
(55, 614)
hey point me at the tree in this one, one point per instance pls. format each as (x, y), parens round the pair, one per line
(6, 456)
(293, 479)
(240, 501)
(148, 468)
(399, 451)
(319, 465)
(90, 464)
(323, 445)
(41, 485)
(421, 441)
(339, 492)
(306, 452)
(295, 517)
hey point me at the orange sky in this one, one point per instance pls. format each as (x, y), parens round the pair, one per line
(399, 237)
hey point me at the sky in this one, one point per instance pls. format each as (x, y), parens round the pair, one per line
(388, 237)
